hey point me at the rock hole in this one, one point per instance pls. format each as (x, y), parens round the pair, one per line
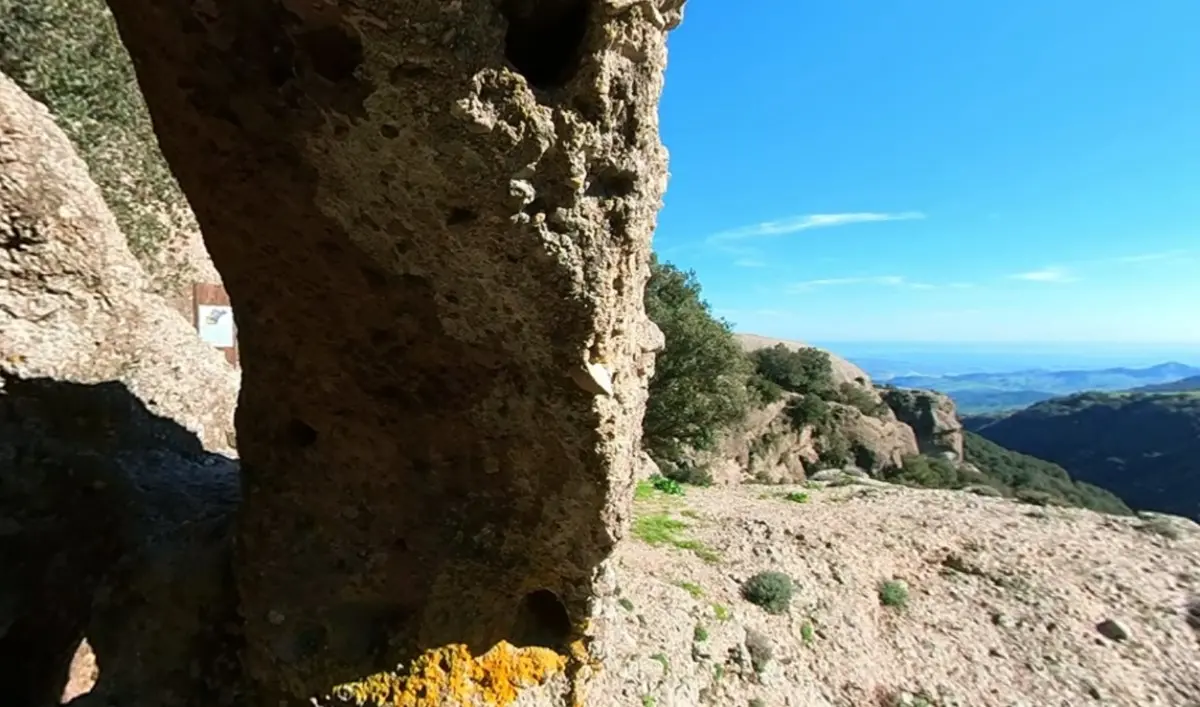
(544, 40)
(612, 182)
(535, 207)
(333, 51)
(542, 620)
(301, 433)
(389, 131)
(459, 216)
(404, 72)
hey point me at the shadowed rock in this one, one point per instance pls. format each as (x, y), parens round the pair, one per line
(98, 497)
(433, 219)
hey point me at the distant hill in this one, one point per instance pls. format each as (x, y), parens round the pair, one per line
(975, 393)
(1031, 479)
(1191, 383)
(1144, 447)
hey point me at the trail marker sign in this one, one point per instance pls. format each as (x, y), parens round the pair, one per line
(213, 318)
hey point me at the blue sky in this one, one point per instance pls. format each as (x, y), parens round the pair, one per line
(938, 170)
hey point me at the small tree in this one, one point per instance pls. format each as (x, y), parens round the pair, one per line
(699, 383)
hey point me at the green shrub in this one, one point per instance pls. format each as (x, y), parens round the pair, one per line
(699, 382)
(893, 594)
(772, 591)
(805, 370)
(925, 472)
(670, 487)
(807, 410)
(834, 449)
(797, 497)
(859, 397)
(763, 390)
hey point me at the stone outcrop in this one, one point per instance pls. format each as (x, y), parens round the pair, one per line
(74, 303)
(875, 443)
(92, 485)
(96, 470)
(932, 417)
(763, 447)
(433, 220)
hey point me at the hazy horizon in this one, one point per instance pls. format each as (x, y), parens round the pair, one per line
(950, 357)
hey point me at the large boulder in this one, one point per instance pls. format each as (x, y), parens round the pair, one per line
(74, 303)
(433, 220)
(933, 418)
(91, 479)
(96, 376)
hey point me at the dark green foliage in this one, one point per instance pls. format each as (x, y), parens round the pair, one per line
(1007, 472)
(926, 472)
(686, 473)
(861, 398)
(763, 390)
(805, 370)
(834, 449)
(1143, 447)
(770, 590)
(893, 594)
(699, 383)
(670, 487)
(806, 410)
(1016, 472)
(67, 54)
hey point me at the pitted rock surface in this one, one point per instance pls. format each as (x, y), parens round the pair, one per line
(431, 217)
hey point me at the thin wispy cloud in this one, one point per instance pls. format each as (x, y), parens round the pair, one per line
(807, 222)
(877, 281)
(1150, 257)
(1051, 274)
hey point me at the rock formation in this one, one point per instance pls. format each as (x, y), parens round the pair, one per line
(765, 447)
(74, 304)
(433, 220)
(932, 417)
(96, 471)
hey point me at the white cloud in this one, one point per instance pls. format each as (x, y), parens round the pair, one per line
(807, 222)
(883, 280)
(1051, 274)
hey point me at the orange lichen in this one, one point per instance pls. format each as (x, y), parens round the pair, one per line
(452, 676)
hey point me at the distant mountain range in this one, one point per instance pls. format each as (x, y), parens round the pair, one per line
(975, 393)
(1142, 446)
(1191, 383)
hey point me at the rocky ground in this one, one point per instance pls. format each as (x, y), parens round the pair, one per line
(1007, 604)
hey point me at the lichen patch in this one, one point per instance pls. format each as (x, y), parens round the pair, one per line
(450, 675)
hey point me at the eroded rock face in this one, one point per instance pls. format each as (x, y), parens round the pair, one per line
(933, 418)
(431, 217)
(74, 303)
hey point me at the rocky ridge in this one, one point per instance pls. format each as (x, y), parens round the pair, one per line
(767, 447)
